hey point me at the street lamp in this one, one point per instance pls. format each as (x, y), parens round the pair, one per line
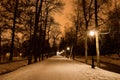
(92, 33)
(20, 54)
(68, 48)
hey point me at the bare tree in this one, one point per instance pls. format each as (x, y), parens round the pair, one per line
(43, 10)
(13, 29)
(88, 13)
(113, 23)
(55, 36)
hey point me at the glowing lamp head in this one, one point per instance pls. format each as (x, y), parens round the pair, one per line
(68, 48)
(92, 33)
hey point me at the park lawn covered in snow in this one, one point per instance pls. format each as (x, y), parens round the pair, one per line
(60, 68)
(113, 59)
(10, 66)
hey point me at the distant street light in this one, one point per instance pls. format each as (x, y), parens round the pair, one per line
(68, 48)
(58, 52)
(7, 54)
(20, 54)
(67, 51)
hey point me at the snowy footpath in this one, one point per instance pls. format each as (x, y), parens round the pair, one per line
(59, 68)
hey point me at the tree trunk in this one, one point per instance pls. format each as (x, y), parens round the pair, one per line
(37, 16)
(40, 41)
(30, 44)
(86, 48)
(97, 49)
(44, 36)
(0, 44)
(30, 59)
(13, 30)
(97, 36)
(86, 29)
(77, 26)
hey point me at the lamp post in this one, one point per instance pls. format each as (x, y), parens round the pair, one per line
(68, 50)
(92, 33)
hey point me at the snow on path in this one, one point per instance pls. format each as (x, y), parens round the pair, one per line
(60, 68)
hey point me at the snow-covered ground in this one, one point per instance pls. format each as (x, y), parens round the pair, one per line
(8, 67)
(60, 68)
(106, 62)
(114, 59)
